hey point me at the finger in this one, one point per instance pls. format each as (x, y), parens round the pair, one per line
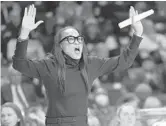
(132, 20)
(38, 23)
(25, 12)
(136, 12)
(34, 13)
(132, 14)
(132, 11)
(31, 10)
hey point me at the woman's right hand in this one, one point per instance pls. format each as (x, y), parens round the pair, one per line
(28, 22)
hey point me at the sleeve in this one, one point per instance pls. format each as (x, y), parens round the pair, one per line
(3, 94)
(31, 68)
(100, 66)
(2, 98)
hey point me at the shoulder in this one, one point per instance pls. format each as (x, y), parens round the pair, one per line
(49, 62)
(49, 58)
(92, 58)
(96, 59)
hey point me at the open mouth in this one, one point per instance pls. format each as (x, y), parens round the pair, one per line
(77, 50)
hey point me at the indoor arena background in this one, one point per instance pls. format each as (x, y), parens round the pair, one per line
(144, 84)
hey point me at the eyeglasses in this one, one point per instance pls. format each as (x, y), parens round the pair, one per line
(71, 39)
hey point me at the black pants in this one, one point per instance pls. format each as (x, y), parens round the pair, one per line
(66, 124)
(67, 121)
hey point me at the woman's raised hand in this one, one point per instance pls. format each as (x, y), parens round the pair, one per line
(137, 26)
(28, 22)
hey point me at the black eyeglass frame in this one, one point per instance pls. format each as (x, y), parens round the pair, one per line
(67, 37)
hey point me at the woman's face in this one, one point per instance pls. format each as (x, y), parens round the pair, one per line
(9, 117)
(127, 116)
(73, 50)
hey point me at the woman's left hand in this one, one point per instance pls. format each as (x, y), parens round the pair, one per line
(136, 26)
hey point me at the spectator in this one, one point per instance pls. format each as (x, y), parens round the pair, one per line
(87, 10)
(142, 6)
(71, 14)
(103, 110)
(11, 22)
(152, 102)
(11, 115)
(22, 94)
(143, 91)
(92, 119)
(126, 115)
(35, 48)
(152, 75)
(102, 99)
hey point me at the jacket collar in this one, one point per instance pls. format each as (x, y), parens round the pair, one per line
(71, 63)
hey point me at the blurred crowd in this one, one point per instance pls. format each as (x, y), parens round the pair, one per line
(143, 85)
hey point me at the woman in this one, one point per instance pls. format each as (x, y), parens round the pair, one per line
(126, 115)
(11, 115)
(68, 72)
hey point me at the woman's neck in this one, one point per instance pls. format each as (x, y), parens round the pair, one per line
(69, 61)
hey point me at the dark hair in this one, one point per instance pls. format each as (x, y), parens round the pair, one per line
(17, 110)
(57, 55)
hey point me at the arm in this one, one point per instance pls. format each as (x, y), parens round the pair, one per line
(2, 98)
(119, 63)
(4, 94)
(32, 68)
(102, 66)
